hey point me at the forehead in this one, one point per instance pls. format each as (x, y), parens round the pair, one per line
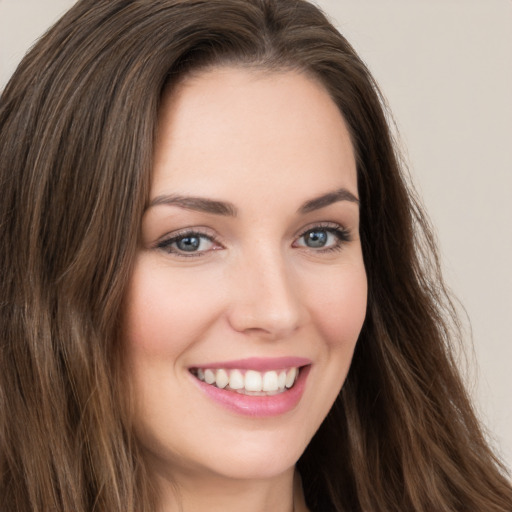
(227, 127)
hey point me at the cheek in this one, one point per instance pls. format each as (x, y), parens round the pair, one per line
(339, 307)
(163, 312)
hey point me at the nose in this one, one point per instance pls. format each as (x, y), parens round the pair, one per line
(265, 299)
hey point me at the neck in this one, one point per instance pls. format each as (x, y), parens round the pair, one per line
(282, 493)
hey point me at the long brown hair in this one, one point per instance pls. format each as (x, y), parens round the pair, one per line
(77, 123)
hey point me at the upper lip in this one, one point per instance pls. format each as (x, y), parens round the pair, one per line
(258, 363)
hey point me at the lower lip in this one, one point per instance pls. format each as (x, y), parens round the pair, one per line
(258, 406)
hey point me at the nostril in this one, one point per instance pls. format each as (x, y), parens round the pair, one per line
(270, 327)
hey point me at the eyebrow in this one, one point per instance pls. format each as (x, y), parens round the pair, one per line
(202, 204)
(342, 194)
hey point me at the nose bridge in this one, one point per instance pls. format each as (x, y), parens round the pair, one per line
(266, 299)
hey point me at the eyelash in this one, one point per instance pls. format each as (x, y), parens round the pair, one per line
(342, 236)
(167, 243)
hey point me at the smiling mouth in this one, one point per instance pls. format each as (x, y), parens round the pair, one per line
(249, 382)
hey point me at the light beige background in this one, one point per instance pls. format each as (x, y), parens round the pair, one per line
(445, 67)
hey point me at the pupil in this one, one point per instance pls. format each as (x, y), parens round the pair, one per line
(316, 238)
(188, 244)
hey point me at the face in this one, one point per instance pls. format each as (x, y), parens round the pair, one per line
(249, 289)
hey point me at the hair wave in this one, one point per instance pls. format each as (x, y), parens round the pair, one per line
(77, 125)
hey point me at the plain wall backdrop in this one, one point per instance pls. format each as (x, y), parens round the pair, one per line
(445, 67)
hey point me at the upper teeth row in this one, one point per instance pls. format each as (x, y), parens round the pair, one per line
(251, 380)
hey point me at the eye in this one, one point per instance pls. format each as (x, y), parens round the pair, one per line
(188, 244)
(323, 238)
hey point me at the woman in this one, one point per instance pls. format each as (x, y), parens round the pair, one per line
(204, 226)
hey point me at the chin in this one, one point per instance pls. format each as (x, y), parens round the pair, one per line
(259, 464)
(254, 455)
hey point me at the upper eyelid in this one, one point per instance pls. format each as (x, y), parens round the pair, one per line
(184, 232)
(208, 232)
(323, 225)
(341, 232)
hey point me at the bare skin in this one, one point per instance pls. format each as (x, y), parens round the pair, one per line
(250, 250)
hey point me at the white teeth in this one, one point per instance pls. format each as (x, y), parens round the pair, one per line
(251, 381)
(270, 381)
(281, 380)
(236, 380)
(290, 377)
(221, 378)
(209, 376)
